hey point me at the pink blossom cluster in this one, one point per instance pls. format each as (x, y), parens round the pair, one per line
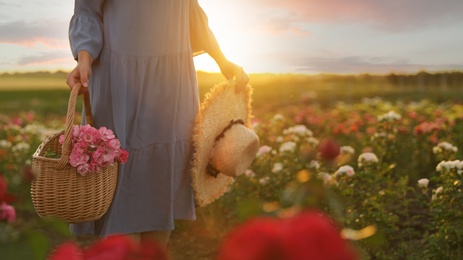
(93, 149)
(7, 212)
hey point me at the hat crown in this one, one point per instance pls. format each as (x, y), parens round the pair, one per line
(235, 151)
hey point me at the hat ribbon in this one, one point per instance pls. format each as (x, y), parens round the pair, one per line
(211, 170)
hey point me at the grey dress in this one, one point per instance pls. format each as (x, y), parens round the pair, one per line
(143, 87)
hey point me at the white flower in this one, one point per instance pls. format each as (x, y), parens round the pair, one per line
(300, 130)
(439, 190)
(423, 183)
(21, 147)
(278, 117)
(279, 139)
(367, 159)
(249, 173)
(287, 147)
(436, 192)
(263, 150)
(347, 150)
(450, 165)
(312, 140)
(314, 165)
(264, 180)
(379, 135)
(327, 178)
(5, 144)
(444, 146)
(389, 116)
(346, 169)
(277, 167)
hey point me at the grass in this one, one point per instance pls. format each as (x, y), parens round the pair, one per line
(46, 93)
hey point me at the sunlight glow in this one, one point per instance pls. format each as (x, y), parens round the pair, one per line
(227, 25)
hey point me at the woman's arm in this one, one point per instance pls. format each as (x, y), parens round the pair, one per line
(86, 39)
(229, 69)
(202, 40)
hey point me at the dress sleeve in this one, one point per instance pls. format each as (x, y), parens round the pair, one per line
(202, 39)
(86, 27)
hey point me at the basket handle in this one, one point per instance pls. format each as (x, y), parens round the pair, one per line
(67, 145)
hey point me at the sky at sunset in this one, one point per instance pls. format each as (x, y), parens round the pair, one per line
(280, 36)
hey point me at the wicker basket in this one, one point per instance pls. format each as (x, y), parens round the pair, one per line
(58, 190)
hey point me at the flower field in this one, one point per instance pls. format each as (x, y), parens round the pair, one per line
(386, 170)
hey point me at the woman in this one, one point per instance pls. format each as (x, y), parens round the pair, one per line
(136, 59)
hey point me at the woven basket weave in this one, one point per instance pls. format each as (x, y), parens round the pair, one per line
(58, 190)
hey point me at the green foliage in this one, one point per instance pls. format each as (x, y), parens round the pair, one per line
(379, 206)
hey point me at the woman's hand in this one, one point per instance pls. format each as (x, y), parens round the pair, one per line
(231, 70)
(82, 72)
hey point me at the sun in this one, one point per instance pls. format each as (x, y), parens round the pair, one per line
(227, 25)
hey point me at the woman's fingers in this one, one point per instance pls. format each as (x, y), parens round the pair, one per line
(80, 74)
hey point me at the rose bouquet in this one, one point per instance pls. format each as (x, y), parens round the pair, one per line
(94, 148)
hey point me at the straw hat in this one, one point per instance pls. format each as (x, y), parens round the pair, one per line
(224, 144)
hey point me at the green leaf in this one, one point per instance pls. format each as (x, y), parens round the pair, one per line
(249, 208)
(38, 244)
(57, 225)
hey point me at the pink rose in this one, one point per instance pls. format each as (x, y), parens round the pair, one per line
(76, 158)
(75, 130)
(83, 169)
(80, 147)
(89, 134)
(123, 156)
(7, 212)
(109, 155)
(98, 156)
(61, 139)
(106, 134)
(114, 144)
(95, 167)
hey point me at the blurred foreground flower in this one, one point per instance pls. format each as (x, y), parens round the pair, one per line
(117, 247)
(329, 149)
(7, 212)
(309, 235)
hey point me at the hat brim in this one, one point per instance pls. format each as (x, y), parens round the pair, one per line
(222, 104)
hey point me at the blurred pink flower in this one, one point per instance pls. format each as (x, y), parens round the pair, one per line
(66, 251)
(263, 150)
(115, 247)
(7, 212)
(308, 235)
